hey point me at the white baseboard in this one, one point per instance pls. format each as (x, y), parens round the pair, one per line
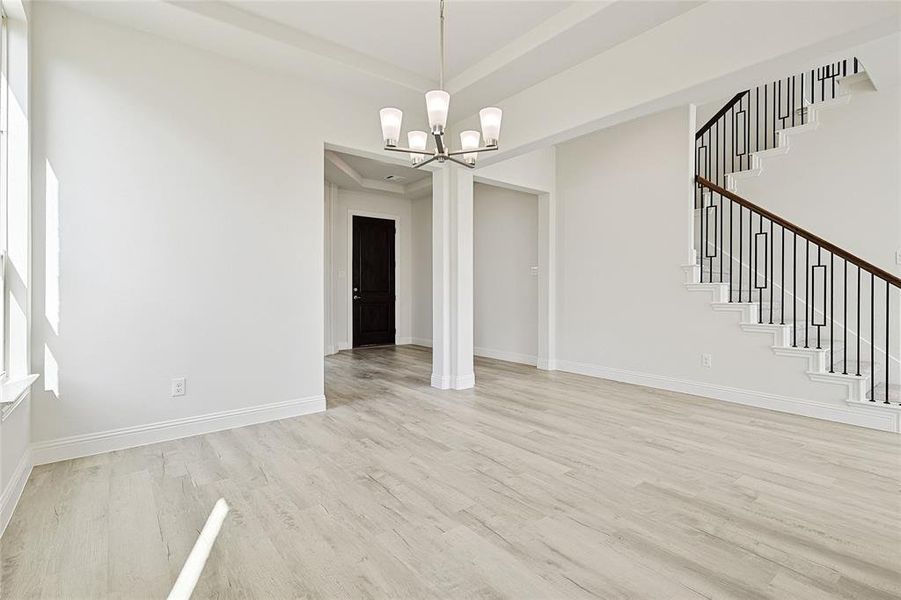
(547, 364)
(421, 342)
(403, 341)
(141, 435)
(9, 498)
(442, 382)
(515, 357)
(344, 346)
(862, 416)
(464, 382)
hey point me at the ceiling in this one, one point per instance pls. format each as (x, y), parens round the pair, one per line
(358, 173)
(405, 33)
(387, 50)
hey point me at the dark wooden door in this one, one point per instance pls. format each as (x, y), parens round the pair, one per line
(373, 281)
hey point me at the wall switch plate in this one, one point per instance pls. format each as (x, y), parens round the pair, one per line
(707, 360)
(178, 386)
(898, 257)
(534, 271)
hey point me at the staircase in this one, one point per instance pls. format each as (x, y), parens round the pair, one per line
(818, 301)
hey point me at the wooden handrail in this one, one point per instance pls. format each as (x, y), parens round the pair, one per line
(861, 263)
(720, 113)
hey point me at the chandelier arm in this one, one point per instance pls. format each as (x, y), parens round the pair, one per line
(460, 162)
(440, 148)
(425, 162)
(409, 150)
(473, 150)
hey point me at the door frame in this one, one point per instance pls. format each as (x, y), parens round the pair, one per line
(349, 280)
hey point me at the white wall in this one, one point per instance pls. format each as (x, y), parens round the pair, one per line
(842, 181)
(373, 204)
(505, 289)
(191, 231)
(421, 322)
(624, 202)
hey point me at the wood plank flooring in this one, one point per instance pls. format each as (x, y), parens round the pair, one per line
(532, 485)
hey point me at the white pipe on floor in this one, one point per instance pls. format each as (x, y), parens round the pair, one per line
(193, 567)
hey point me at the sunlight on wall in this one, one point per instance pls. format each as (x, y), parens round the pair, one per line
(51, 372)
(51, 268)
(18, 338)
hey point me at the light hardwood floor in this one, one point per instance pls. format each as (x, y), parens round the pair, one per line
(532, 485)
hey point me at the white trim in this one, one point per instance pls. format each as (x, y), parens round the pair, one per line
(140, 435)
(403, 341)
(464, 382)
(421, 342)
(349, 280)
(514, 357)
(13, 491)
(860, 415)
(442, 382)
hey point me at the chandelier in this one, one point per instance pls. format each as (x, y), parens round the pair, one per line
(437, 103)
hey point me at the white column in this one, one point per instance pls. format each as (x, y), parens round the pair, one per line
(452, 278)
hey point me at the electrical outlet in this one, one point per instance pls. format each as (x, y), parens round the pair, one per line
(534, 271)
(707, 360)
(178, 386)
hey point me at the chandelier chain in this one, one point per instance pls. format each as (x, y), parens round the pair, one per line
(441, 71)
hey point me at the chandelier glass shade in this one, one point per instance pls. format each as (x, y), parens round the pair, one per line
(437, 103)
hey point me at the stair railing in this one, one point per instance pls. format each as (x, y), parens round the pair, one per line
(785, 269)
(749, 122)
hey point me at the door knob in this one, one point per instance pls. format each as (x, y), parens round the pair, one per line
(356, 297)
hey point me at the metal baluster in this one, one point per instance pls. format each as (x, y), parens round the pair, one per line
(731, 255)
(792, 98)
(757, 265)
(732, 152)
(819, 261)
(845, 321)
(834, 73)
(858, 321)
(741, 212)
(716, 154)
(778, 110)
(703, 248)
(823, 84)
(887, 366)
(807, 318)
(765, 88)
(721, 253)
(795, 288)
(831, 313)
(770, 279)
(873, 337)
(803, 112)
(782, 276)
(748, 133)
